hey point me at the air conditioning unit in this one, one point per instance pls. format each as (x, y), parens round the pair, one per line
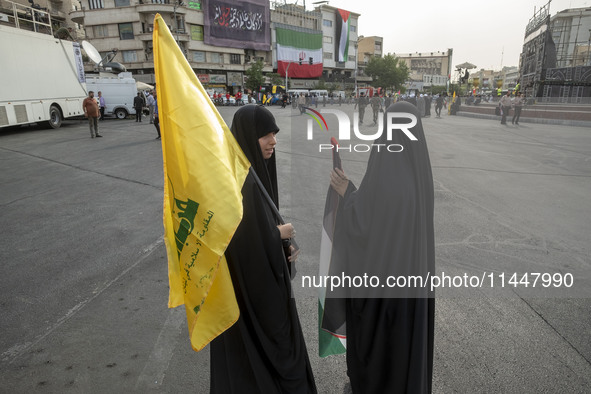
(3, 18)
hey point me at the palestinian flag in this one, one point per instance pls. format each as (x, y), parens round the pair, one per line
(295, 47)
(342, 35)
(331, 311)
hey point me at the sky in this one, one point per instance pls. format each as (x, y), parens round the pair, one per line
(488, 34)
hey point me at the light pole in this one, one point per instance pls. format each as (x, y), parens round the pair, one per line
(176, 22)
(356, 61)
(287, 72)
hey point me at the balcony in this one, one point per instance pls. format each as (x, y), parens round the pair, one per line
(153, 8)
(77, 16)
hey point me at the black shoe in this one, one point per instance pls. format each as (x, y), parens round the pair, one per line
(92, 136)
(157, 138)
(99, 136)
(517, 123)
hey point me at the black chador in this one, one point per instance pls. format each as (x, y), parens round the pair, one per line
(264, 351)
(386, 228)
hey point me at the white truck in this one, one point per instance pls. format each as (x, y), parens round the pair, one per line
(118, 90)
(41, 77)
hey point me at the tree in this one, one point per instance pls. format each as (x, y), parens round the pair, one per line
(388, 72)
(255, 76)
(276, 79)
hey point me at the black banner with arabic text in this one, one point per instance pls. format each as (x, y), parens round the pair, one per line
(243, 24)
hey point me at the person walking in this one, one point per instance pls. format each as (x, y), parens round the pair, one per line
(302, 103)
(150, 102)
(438, 105)
(375, 106)
(517, 105)
(505, 105)
(421, 105)
(138, 105)
(362, 102)
(156, 118)
(101, 105)
(91, 111)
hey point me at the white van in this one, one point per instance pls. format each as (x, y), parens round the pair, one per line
(297, 92)
(319, 92)
(118, 91)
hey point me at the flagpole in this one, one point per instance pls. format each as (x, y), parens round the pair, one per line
(286, 72)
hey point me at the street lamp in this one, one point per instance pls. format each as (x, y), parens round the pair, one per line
(287, 70)
(356, 61)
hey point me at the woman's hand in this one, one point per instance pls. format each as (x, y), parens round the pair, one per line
(339, 181)
(286, 230)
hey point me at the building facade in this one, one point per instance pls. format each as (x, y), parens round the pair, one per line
(555, 64)
(367, 47)
(59, 10)
(427, 69)
(127, 25)
(337, 69)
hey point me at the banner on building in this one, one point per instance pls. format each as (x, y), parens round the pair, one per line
(243, 24)
(79, 62)
(301, 51)
(343, 26)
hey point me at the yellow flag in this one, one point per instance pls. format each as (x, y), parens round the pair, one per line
(204, 170)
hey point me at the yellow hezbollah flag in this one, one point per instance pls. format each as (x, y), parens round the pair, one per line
(204, 170)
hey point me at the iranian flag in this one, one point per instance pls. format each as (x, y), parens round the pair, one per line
(331, 311)
(297, 47)
(342, 35)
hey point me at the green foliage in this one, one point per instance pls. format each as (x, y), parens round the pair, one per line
(438, 89)
(388, 72)
(321, 85)
(255, 76)
(276, 79)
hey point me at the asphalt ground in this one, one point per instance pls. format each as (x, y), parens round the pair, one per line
(84, 280)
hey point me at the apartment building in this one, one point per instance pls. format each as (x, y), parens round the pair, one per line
(127, 25)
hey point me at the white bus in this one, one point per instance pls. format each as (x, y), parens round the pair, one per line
(41, 77)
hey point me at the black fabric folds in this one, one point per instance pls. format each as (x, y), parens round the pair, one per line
(385, 228)
(264, 352)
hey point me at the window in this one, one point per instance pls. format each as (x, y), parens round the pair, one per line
(94, 4)
(327, 55)
(121, 3)
(327, 39)
(215, 57)
(353, 28)
(126, 31)
(199, 56)
(327, 23)
(100, 31)
(235, 58)
(180, 24)
(196, 33)
(129, 56)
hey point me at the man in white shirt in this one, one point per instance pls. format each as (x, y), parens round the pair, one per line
(505, 107)
(150, 102)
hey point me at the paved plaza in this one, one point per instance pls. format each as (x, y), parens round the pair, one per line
(83, 273)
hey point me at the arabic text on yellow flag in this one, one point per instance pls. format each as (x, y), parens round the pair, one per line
(204, 170)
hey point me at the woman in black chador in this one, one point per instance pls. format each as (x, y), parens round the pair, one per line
(264, 351)
(386, 228)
